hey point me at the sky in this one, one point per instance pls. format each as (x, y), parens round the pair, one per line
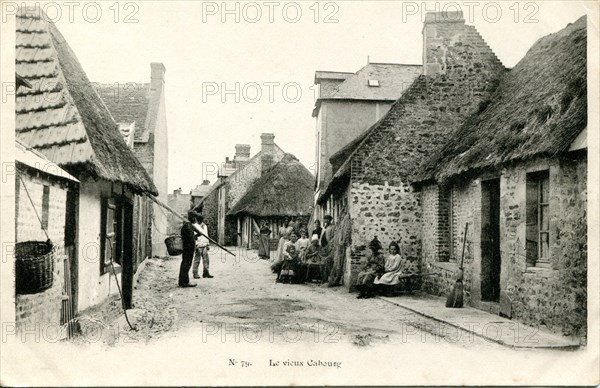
(228, 80)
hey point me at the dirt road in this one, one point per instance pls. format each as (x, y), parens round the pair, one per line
(243, 303)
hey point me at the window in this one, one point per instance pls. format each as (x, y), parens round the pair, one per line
(538, 219)
(109, 227)
(116, 232)
(374, 82)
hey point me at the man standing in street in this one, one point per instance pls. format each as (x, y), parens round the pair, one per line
(201, 249)
(188, 236)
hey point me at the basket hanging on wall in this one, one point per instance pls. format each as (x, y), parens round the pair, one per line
(34, 266)
(34, 260)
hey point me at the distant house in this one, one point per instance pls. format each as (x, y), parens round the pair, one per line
(199, 192)
(235, 179)
(373, 174)
(516, 171)
(44, 190)
(181, 203)
(63, 118)
(347, 105)
(140, 111)
(284, 191)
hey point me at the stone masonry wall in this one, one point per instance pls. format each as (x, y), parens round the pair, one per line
(556, 297)
(436, 237)
(553, 298)
(44, 308)
(392, 213)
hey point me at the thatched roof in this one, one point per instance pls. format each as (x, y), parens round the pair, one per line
(62, 116)
(284, 190)
(539, 108)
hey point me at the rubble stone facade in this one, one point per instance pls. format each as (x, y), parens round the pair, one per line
(461, 71)
(551, 297)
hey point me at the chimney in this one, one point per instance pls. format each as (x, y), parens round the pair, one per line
(242, 152)
(267, 149)
(157, 72)
(439, 31)
(205, 182)
(267, 143)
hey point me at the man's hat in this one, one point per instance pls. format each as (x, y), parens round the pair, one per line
(327, 217)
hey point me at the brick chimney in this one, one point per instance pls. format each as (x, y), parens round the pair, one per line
(242, 152)
(267, 148)
(439, 31)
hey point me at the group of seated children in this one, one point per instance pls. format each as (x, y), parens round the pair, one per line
(381, 272)
(299, 257)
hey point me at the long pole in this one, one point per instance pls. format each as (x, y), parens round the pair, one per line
(159, 203)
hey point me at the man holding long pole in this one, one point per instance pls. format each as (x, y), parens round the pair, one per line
(201, 249)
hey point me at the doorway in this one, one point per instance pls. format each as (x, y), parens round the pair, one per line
(127, 259)
(490, 240)
(70, 270)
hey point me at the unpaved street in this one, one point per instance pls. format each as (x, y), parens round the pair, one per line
(243, 328)
(243, 303)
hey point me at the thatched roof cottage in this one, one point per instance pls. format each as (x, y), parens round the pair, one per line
(62, 117)
(373, 174)
(284, 191)
(516, 171)
(235, 177)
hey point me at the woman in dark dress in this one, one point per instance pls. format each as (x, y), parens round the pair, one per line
(374, 268)
(264, 250)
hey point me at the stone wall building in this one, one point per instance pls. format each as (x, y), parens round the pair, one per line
(199, 192)
(234, 180)
(348, 104)
(140, 111)
(516, 172)
(373, 174)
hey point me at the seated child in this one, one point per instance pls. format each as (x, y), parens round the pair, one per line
(290, 264)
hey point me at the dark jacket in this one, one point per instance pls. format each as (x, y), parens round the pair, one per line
(188, 235)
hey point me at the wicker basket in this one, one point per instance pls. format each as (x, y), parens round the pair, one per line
(34, 266)
(174, 245)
